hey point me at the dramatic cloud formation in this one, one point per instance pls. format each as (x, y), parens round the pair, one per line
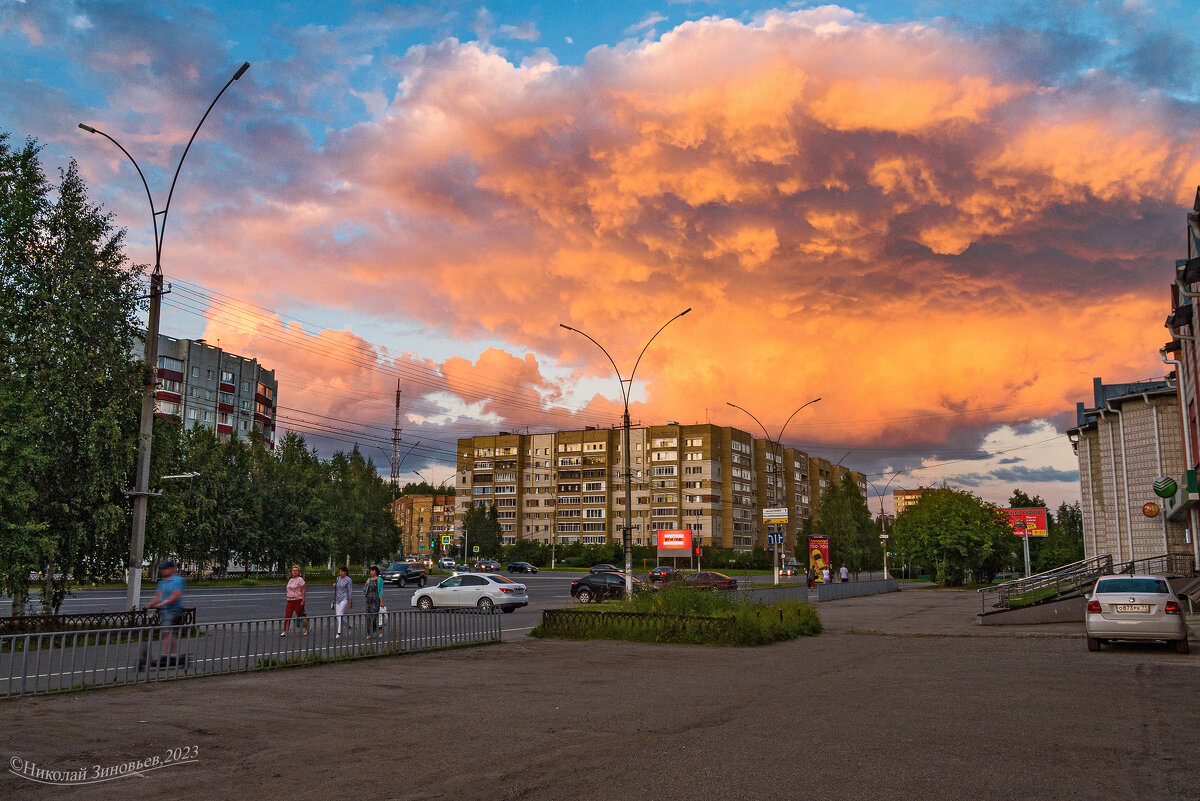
(939, 230)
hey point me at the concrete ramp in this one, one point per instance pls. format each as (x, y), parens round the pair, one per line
(1066, 610)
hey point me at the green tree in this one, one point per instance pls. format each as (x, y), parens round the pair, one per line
(953, 533)
(68, 329)
(843, 516)
(482, 526)
(1064, 544)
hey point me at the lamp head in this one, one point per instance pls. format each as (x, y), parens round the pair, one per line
(241, 70)
(87, 128)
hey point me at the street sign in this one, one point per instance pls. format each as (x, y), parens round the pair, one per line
(474, 549)
(775, 514)
(883, 536)
(445, 540)
(775, 539)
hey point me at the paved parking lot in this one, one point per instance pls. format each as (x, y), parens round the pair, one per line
(902, 698)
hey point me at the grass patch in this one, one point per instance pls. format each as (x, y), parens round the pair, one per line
(681, 615)
(1032, 597)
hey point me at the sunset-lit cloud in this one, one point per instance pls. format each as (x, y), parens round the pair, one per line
(940, 229)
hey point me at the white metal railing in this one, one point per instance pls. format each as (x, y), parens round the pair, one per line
(52, 662)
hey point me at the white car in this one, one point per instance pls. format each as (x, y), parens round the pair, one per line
(1134, 607)
(446, 563)
(484, 591)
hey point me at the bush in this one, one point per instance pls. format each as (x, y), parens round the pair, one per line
(681, 615)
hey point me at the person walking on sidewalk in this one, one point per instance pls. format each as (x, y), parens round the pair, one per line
(844, 573)
(296, 591)
(343, 588)
(812, 576)
(825, 574)
(373, 590)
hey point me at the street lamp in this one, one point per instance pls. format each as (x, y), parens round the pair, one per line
(626, 388)
(883, 520)
(776, 442)
(141, 491)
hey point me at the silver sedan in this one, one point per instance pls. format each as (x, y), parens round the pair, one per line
(486, 592)
(1134, 607)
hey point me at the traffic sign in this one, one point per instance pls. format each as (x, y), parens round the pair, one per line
(445, 540)
(883, 536)
(775, 514)
(775, 539)
(474, 549)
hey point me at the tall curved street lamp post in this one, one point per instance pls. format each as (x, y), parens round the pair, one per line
(778, 447)
(141, 491)
(626, 388)
(883, 535)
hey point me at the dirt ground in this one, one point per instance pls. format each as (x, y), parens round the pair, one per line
(902, 698)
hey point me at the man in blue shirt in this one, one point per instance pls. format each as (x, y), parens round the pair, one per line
(169, 601)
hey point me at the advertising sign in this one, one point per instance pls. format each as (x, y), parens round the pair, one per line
(818, 554)
(1031, 522)
(675, 540)
(775, 515)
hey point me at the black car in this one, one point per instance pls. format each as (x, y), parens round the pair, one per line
(521, 567)
(664, 573)
(601, 586)
(604, 568)
(401, 573)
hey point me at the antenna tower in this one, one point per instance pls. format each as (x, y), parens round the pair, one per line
(396, 459)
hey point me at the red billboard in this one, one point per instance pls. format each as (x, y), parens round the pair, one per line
(818, 553)
(675, 540)
(1027, 522)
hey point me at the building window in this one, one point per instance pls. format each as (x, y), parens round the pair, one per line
(227, 376)
(195, 372)
(693, 456)
(167, 363)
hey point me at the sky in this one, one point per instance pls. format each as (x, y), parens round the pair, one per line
(942, 218)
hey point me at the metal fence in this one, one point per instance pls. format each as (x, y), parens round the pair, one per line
(769, 595)
(42, 663)
(1050, 584)
(135, 618)
(1167, 564)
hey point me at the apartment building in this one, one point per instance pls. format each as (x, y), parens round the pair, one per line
(906, 498)
(423, 521)
(206, 386)
(711, 480)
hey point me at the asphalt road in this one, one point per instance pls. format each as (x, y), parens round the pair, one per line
(902, 698)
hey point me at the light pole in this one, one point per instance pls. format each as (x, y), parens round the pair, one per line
(778, 456)
(433, 503)
(141, 491)
(883, 520)
(626, 388)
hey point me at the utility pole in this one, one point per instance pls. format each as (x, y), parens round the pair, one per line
(141, 492)
(396, 459)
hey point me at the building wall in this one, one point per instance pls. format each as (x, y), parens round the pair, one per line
(207, 386)
(423, 519)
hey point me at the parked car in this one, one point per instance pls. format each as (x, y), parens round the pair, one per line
(487, 566)
(401, 573)
(1134, 607)
(425, 562)
(604, 568)
(601, 586)
(485, 592)
(664, 573)
(710, 580)
(787, 570)
(521, 567)
(446, 563)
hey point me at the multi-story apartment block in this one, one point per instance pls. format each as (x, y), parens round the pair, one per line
(711, 480)
(906, 498)
(203, 385)
(423, 521)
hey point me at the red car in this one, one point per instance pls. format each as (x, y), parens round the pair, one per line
(710, 580)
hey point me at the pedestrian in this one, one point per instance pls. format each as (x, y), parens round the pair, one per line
(811, 575)
(825, 574)
(168, 600)
(845, 574)
(373, 590)
(342, 590)
(296, 591)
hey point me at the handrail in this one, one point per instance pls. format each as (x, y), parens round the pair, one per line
(1050, 584)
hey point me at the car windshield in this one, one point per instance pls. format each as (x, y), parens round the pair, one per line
(395, 565)
(1128, 585)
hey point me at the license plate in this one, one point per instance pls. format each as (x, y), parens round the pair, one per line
(1133, 607)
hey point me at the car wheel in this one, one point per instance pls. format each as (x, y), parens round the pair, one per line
(1181, 646)
(425, 603)
(1093, 644)
(420, 583)
(486, 605)
(584, 596)
(508, 610)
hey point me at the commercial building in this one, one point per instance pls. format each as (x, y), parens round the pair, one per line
(906, 498)
(423, 521)
(712, 480)
(1129, 438)
(204, 385)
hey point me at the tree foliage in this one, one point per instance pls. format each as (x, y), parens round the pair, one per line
(69, 384)
(843, 516)
(954, 535)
